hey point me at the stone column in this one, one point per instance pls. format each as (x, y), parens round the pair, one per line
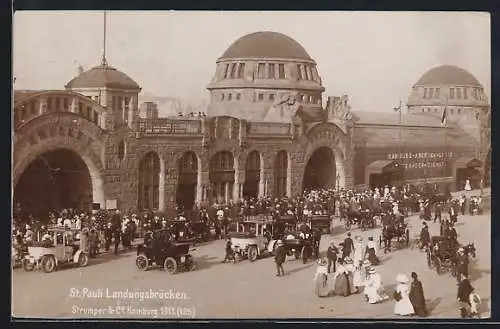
(226, 192)
(199, 188)
(74, 105)
(43, 106)
(261, 191)
(289, 176)
(161, 186)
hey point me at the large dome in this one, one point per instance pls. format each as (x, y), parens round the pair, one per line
(266, 45)
(103, 76)
(448, 75)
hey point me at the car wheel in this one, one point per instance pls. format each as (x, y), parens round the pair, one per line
(191, 264)
(48, 264)
(141, 262)
(170, 265)
(83, 260)
(28, 266)
(252, 253)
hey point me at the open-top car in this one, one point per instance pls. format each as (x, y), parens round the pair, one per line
(253, 239)
(161, 249)
(61, 246)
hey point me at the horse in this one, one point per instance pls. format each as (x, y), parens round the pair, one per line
(387, 236)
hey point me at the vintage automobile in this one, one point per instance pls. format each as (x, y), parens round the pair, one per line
(63, 247)
(253, 239)
(440, 255)
(160, 248)
(302, 244)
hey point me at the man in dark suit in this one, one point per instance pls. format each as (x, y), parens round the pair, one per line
(464, 291)
(280, 258)
(348, 246)
(437, 212)
(331, 254)
(462, 263)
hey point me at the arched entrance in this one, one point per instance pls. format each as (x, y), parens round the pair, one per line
(149, 182)
(221, 176)
(280, 174)
(320, 170)
(54, 180)
(252, 175)
(187, 181)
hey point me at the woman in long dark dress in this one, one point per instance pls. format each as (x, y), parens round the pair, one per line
(417, 296)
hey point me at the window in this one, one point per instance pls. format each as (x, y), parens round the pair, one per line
(229, 96)
(425, 92)
(459, 93)
(299, 71)
(261, 97)
(272, 71)
(436, 94)
(121, 150)
(452, 92)
(65, 104)
(226, 70)
(465, 93)
(306, 72)
(238, 97)
(261, 71)
(431, 92)
(32, 108)
(241, 71)
(451, 111)
(459, 111)
(423, 110)
(233, 70)
(281, 71)
(435, 110)
(113, 103)
(477, 116)
(271, 97)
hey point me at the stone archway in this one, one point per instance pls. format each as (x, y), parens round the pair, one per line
(320, 171)
(49, 134)
(331, 137)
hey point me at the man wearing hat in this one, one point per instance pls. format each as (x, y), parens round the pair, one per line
(462, 263)
(280, 258)
(332, 255)
(348, 246)
(425, 237)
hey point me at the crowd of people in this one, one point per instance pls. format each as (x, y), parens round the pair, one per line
(351, 264)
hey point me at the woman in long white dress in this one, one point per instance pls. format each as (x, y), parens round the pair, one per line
(403, 304)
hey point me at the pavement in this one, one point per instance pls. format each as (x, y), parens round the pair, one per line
(244, 289)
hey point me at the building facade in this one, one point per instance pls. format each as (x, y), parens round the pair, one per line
(265, 133)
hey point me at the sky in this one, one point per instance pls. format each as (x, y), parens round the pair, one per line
(374, 57)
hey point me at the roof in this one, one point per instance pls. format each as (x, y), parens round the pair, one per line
(22, 94)
(103, 76)
(392, 119)
(448, 75)
(266, 44)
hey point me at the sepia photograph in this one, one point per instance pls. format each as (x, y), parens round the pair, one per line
(186, 165)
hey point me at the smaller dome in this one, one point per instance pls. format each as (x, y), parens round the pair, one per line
(103, 76)
(448, 75)
(266, 44)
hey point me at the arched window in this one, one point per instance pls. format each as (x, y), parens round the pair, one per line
(221, 176)
(121, 150)
(149, 182)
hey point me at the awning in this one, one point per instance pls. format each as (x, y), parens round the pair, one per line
(383, 166)
(467, 162)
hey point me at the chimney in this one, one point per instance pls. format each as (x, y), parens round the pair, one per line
(80, 69)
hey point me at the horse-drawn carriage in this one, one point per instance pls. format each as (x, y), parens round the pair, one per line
(442, 254)
(322, 223)
(394, 229)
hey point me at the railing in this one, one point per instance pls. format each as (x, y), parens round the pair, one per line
(162, 126)
(269, 128)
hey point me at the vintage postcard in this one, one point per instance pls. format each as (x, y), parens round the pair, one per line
(251, 165)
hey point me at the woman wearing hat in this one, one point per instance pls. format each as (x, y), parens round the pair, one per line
(417, 297)
(403, 304)
(371, 251)
(373, 285)
(321, 279)
(359, 250)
